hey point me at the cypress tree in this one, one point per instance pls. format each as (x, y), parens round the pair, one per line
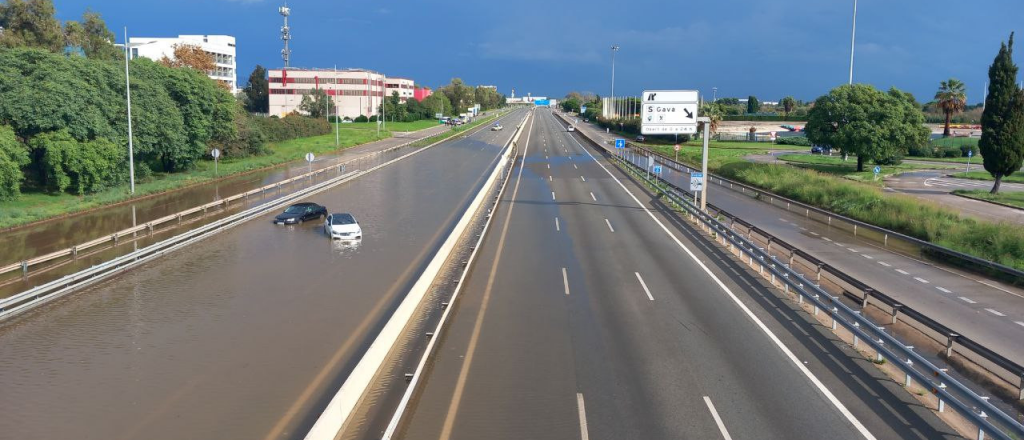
(1002, 123)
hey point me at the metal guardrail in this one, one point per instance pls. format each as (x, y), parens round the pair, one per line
(150, 226)
(987, 267)
(947, 389)
(55, 289)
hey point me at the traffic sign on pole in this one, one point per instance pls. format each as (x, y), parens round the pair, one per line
(657, 169)
(696, 182)
(669, 112)
(216, 154)
(309, 160)
(620, 143)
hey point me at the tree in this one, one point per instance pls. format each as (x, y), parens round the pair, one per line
(13, 156)
(190, 55)
(459, 94)
(571, 104)
(30, 23)
(788, 104)
(80, 166)
(316, 104)
(753, 105)
(1002, 122)
(257, 91)
(952, 98)
(99, 41)
(859, 119)
(713, 111)
(437, 103)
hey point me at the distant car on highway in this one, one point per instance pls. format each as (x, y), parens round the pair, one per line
(299, 213)
(640, 138)
(342, 226)
(571, 128)
(817, 150)
(496, 127)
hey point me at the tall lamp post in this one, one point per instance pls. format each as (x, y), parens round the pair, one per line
(128, 96)
(612, 101)
(853, 38)
(714, 94)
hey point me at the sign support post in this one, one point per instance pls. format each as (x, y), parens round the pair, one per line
(704, 162)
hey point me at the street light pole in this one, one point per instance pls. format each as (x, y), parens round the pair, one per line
(128, 96)
(853, 38)
(612, 101)
(714, 94)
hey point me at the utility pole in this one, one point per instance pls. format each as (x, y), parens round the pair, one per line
(612, 100)
(128, 96)
(337, 122)
(853, 38)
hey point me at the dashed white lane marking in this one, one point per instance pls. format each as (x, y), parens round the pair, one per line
(552, 195)
(565, 281)
(826, 238)
(815, 233)
(549, 178)
(546, 157)
(884, 264)
(576, 167)
(644, 285)
(867, 256)
(557, 226)
(943, 289)
(968, 300)
(783, 220)
(921, 280)
(549, 166)
(902, 271)
(852, 250)
(610, 228)
(584, 434)
(1020, 323)
(584, 178)
(718, 419)
(995, 312)
(592, 196)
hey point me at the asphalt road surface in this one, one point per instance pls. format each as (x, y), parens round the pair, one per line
(592, 315)
(245, 335)
(936, 187)
(984, 310)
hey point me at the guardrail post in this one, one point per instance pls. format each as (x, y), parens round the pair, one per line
(819, 271)
(74, 251)
(878, 352)
(856, 339)
(816, 305)
(950, 340)
(867, 296)
(24, 268)
(854, 229)
(907, 381)
(1020, 388)
(835, 311)
(114, 237)
(942, 403)
(981, 431)
(896, 312)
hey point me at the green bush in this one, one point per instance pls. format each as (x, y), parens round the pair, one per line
(950, 152)
(793, 140)
(80, 166)
(361, 118)
(13, 156)
(291, 126)
(924, 150)
(964, 149)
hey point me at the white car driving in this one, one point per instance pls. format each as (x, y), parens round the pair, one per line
(343, 226)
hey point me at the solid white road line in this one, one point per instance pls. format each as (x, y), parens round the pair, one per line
(584, 434)
(644, 285)
(995, 312)
(943, 289)
(557, 226)
(968, 300)
(610, 228)
(565, 281)
(884, 264)
(921, 280)
(718, 419)
(746, 310)
(902, 271)
(592, 196)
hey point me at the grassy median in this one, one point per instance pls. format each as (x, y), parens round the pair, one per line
(36, 205)
(848, 169)
(1012, 198)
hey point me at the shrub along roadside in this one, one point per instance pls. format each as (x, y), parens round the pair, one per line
(1002, 243)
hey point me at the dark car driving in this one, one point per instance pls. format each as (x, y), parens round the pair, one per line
(299, 213)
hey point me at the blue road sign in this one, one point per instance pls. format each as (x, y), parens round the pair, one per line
(583, 109)
(657, 169)
(620, 143)
(878, 169)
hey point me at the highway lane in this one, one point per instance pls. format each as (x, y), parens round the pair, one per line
(585, 319)
(987, 311)
(244, 335)
(42, 238)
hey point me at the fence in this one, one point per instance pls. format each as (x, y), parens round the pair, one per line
(781, 271)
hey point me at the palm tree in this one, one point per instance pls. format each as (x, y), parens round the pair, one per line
(713, 111)
(952, 98)
(788, 104)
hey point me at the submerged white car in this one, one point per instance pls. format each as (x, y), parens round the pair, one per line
(342, 226)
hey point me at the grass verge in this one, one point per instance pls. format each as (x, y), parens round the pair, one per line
(984, 175)
(848, 169)
(1015, 199)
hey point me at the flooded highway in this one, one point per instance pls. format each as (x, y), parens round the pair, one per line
(50, 236)
(245, 335)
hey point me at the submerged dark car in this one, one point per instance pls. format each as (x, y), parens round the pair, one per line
(299, 213)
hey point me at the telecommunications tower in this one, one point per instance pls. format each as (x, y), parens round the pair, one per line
(285, 33)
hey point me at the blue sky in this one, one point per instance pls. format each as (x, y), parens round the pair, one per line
(548, 47)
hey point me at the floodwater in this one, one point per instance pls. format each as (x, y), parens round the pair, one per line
(245, 335)
(51, 236)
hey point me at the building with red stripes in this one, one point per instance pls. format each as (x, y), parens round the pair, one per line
(354, 91)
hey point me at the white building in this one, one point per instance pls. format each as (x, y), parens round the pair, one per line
(221, 47)
(405, 87)
(354, 91)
